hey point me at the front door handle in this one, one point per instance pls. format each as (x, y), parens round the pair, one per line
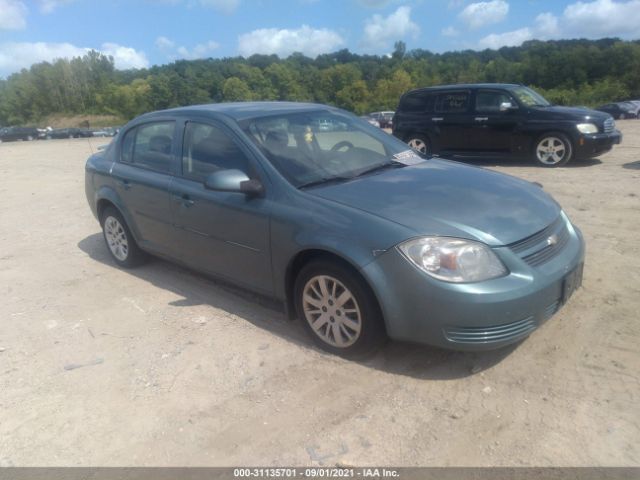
(184, 199)
(481, 119)
(437, 119)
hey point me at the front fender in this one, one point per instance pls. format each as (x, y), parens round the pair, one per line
(309, 223)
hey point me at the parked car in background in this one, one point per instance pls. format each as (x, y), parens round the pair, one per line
(105, 132)
(69, 133)
(12, 134)
(501, 121)
(620, 110)
(635, 105)
(385, 119)
(371, 120)
(353, 231)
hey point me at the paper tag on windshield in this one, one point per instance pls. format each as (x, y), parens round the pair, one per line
(408, 157)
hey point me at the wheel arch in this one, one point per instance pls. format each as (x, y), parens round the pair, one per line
(537, 136)
(107, 197)
(302, 258)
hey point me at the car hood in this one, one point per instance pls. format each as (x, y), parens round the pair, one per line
(439, 197)
(571, 113)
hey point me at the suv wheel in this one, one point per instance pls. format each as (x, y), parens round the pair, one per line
(338, 309)
(553, 150)
(419, 143)
(120, 242)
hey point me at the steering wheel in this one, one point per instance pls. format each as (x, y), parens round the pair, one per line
(342, 144)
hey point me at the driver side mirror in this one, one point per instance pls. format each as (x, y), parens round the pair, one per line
(507, 106)
(235, 181)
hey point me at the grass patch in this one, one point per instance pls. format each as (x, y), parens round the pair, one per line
(91, 121)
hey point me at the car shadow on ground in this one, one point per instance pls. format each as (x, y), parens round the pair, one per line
(632, 165)
(520, 162)
(401, 358)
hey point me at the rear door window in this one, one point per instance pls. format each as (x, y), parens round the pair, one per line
(150, 146)
(452, 102)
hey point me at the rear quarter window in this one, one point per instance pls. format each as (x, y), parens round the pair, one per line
(418, 103)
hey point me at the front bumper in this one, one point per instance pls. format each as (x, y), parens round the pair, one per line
(589, 146)
(473, 316)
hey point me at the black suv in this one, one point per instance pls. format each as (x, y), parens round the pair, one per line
(500, 120)
(11, 134)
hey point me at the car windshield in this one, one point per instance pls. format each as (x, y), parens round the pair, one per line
(530, 98)
(318, 147)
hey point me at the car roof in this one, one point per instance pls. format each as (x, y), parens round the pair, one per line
(245, 110)
(465, 86)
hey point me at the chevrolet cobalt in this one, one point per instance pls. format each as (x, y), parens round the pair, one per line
(360, 237)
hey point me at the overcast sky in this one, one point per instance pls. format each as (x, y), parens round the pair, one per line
(141, 33)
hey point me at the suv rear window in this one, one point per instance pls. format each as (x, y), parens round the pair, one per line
(418, 102)
(452, 102)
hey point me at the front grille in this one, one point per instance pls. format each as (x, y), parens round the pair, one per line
(609, 125)
(496, 333)
(544, 245)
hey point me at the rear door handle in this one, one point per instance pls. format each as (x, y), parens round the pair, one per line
(184, 199)
(125, 184)
(481, 119)
(437, 119)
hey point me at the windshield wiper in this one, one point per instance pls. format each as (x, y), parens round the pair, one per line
(324, 180)
(381, 166)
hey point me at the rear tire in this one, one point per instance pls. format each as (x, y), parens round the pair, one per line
(419, 143)
(552, 149)
(338, 309)
(120, 243)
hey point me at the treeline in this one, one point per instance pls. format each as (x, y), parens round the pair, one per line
(570, 72)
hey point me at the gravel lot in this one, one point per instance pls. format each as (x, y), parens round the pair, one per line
(161, 366)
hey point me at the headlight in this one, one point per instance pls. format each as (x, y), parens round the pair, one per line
(453, 259)
(587, 128)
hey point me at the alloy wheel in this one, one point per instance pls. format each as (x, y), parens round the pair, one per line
(332, 311)
(418, 144)
(116, 238)
(551, 150)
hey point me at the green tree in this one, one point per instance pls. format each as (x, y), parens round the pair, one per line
(236, 90)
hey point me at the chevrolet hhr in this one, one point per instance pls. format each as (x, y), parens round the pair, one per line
(361, 238)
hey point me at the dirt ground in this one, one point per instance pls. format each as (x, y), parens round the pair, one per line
(161, 366)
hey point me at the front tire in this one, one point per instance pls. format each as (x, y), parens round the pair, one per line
(120, 243)
(553, 150)
(420, 144)
(338, 309)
